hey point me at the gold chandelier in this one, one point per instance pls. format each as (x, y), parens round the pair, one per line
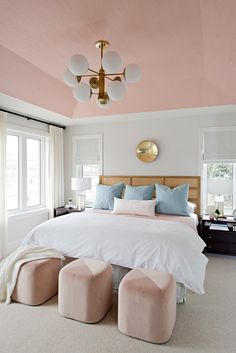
(108, 83)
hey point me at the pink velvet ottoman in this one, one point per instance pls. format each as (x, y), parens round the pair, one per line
(37, 281)
(147, 305)
(85, 290)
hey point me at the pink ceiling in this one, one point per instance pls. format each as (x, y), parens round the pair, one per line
(186, 50)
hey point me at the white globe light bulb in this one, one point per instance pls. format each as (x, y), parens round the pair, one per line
(124, 82)
(78, 65)
(69, 78)
(82, 92)
(116, 90)
(132, 73)
(111, 62)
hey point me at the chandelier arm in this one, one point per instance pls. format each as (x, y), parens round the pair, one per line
(108, 78)
(117, 74)
(96, 72)
(88, 75)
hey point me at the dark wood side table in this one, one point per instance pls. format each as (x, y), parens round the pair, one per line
(219, 235)
(60, 211)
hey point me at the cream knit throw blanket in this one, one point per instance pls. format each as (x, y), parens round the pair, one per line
(10, 266)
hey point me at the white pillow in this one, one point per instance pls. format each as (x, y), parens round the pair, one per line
(191, 207)
(134, 207)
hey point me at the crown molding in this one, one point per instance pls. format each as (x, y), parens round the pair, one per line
(22, 107)
(27, 108)
(175, 113)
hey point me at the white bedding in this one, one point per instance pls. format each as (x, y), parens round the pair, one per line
(128, 241)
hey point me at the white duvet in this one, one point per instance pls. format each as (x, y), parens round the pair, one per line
(127, 241)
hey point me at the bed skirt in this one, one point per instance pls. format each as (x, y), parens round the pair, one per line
(119, 272)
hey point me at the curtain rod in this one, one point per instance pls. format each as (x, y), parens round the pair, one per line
(31, 118)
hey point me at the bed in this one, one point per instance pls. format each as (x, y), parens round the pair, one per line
(166, 243)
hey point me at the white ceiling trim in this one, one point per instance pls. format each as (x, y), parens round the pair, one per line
(22, 107)
(164, 114)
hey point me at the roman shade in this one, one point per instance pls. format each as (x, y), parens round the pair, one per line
(87, 149)
(219, 145)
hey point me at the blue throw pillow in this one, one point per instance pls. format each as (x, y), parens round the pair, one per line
(172, 201)
(138, 192)
(105, 195)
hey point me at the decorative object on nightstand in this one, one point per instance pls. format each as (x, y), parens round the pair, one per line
(217, 213)
(212, 216)
(61, 211)
(219, 234)
(80, 185)
(234, 214)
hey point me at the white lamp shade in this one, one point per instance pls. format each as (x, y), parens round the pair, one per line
(219, 198)
(69, 78)
(78, 65)
(219, 186)
(104, 106)
(116, 90)
(132, 73)
(111, 62)
(82, 92)
(80, 184)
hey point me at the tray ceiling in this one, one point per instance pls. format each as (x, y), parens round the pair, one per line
(186, 50)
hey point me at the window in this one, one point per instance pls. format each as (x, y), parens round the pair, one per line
(218, 169)
(26, 161)
(219, 182)
(88, 162)
(91, 171)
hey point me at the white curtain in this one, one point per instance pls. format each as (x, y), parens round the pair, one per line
(3, 184)
(56, 169)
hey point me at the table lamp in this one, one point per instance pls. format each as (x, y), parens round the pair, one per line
(219, 188)
(80, 185)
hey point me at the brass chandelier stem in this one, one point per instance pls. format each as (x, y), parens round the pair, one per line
(101, 82)
(101, 54)
(101, 86)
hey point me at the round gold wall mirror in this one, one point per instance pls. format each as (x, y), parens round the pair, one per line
(147, 151)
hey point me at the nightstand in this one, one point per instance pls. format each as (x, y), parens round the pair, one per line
(219, 235)
(60, 211)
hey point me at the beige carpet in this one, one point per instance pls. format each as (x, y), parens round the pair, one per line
(205, 324)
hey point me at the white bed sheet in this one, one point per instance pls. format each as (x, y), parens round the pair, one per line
(129, 241)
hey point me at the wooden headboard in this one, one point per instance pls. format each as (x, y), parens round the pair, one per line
(171, 181)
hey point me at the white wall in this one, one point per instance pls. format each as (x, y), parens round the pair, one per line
(175, 132)
(20, 225)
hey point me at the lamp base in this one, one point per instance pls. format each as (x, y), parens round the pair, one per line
(81, 202)
(220, 207)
